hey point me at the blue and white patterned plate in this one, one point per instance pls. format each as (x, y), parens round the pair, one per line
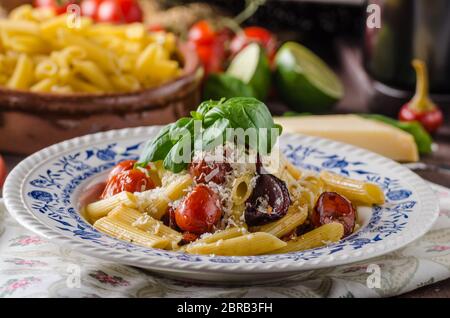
(43, 193)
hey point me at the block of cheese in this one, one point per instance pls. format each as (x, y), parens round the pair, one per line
(376, 136)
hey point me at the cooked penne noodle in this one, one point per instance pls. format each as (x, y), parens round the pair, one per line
(355, 190)
(295, 217)
(100, 208)
(323, 235)
(144, 222)
(222, 235)
(129, 233)
(249, 244)
(241, 189)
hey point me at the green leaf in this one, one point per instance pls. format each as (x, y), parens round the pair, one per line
(224, 85)
(214, 133)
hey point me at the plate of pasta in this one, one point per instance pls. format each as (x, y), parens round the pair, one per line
(204, 198)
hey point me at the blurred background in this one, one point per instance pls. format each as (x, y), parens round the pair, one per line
(359, 53)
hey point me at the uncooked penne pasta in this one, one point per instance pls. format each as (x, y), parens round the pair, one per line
(23, 73)
(323, 235)
(129, 233)
(249, 244)
(100, 208)
(354, 190)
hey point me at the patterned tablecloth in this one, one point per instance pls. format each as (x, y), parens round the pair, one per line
(34, 267)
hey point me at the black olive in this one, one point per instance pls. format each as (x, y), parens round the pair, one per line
(268, 202)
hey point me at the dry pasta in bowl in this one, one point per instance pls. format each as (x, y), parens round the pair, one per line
(229, 198)
(45, 53)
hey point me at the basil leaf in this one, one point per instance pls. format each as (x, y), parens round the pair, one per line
(180, 155)
(215, 133)
(158, 148)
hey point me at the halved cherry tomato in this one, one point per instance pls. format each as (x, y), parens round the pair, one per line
(59, 6)
(255, 34)
(2, 171)
(333, 207)
(203, 172)
(199, 211)
(188, 237)
(133, 180)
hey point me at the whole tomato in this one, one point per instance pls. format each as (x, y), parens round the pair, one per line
(255, 34)
(121, 166)
(119, 11)
(210, 45)
(129, 180)
(59, 6)
(199, 211)
(333, 207)
(125, 178)
(89, 8)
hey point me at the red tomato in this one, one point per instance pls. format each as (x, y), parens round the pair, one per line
(89, 8)
(119, 11)
(333, 207)
(121, 166)
(109, 11)
(255, 34)
(133, 180)
(199, 211)
(202, 33)
(204, 172)
(2, 171)
(60, 6)
(155, 28)
(131, 11)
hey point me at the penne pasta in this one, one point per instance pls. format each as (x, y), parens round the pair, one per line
(144, 222)
(101, 208)
(249, 244)
(23, 73)
(295, 217)
(241, 189)
(354, 190)
(323, 235)
(126, 232)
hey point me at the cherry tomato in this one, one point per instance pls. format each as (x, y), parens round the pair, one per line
(202, 33)
(255, 34)
(203, 172)
(131, 11)
(333, 207)
(89, 8)
(121, 166)
(109, 11)
(199, 211)
(210, 45)
(133, 180)
(2, 171)
(119, 11)
(60, 6)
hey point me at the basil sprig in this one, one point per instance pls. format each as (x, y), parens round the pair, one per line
(215, 117)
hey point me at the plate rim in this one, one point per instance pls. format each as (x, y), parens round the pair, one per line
(17, 208)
